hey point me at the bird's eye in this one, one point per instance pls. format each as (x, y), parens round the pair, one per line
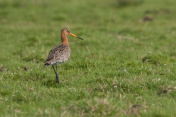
(68, 31)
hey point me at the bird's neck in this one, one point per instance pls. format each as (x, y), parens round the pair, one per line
(64, 39)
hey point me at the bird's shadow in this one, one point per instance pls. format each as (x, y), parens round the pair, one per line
(51, 83)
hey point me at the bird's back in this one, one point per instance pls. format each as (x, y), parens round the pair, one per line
(59, 54)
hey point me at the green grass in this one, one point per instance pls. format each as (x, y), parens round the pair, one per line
(124, 67)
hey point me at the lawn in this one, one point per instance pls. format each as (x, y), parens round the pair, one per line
(125, 66)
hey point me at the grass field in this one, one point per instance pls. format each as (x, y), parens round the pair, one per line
(125, 66)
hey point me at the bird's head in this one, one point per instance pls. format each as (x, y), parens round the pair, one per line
(67, 32)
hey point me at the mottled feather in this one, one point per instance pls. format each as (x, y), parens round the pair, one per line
(59, 54)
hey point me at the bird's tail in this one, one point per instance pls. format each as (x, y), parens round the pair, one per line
(45, 65)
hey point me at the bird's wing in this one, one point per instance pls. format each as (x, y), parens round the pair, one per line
(58, 49)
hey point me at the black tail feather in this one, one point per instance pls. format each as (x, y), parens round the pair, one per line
(45, 65)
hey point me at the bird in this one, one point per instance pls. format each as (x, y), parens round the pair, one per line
(60, 53)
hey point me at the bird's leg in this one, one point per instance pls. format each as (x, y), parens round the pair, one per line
(54, 69)
(57, 76)
(57, 79)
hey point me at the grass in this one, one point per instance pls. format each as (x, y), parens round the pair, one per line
(124, 67)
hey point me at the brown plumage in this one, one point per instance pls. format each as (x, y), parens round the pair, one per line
(60, 53)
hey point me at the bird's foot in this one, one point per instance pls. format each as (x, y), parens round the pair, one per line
(57, 78)
(57, 81)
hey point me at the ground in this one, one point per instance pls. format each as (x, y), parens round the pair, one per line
(125, 66)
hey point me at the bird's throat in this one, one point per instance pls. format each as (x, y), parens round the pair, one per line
(64, 38)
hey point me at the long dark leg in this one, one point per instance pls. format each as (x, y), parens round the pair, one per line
(57, 78)
(54, 69)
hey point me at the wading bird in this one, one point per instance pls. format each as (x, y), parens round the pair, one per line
(60, 53)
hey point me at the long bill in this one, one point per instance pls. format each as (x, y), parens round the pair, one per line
(76, 36)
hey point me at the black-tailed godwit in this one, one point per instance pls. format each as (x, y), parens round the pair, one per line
(60, 53)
